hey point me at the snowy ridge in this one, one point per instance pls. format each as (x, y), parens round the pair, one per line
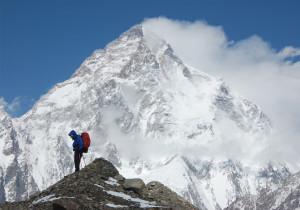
(150, 115)
(283, 196)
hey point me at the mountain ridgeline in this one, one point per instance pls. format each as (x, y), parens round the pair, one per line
(152, 116)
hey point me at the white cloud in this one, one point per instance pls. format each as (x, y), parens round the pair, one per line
(267, 76)
(13, 107)
(289, 52)
(3, 103)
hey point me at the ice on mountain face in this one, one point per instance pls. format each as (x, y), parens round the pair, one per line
(16, 181)
(284, 195)
(148, 113)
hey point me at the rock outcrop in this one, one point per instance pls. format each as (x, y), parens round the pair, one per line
(100, 186)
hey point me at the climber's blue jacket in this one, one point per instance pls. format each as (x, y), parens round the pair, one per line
(78, 143)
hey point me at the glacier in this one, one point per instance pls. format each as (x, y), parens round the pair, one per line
(153, 117)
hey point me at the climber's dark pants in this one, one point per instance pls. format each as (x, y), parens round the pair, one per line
(77, 158)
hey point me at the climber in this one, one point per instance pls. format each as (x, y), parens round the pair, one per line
(77, 148)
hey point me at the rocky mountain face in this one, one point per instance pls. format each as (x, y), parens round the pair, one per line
(100, 186)
(152, 116)
(286, 195)
(14, 169)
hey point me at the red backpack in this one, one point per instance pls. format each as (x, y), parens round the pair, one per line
(86, 142)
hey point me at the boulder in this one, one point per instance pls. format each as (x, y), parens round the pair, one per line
(137, 185)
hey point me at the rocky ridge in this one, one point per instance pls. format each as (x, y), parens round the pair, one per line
(100, 186)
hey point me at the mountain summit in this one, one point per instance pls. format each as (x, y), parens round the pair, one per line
(152, 116)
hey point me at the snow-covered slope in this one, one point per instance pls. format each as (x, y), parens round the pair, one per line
(152, 116)
(285, 195)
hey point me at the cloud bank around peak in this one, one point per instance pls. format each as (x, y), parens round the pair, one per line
(268, 77)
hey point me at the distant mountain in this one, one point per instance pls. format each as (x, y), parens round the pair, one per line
(152, 116)
(285, 195)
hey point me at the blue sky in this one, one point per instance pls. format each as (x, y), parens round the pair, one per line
(44, 42)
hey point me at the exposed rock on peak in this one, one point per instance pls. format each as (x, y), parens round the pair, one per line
(135, 31)
(100, 186)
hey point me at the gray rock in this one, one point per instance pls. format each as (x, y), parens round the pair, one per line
(119, 178)
(164, 196)
(137, 185)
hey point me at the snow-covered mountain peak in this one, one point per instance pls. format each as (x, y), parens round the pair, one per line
(149, 114)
